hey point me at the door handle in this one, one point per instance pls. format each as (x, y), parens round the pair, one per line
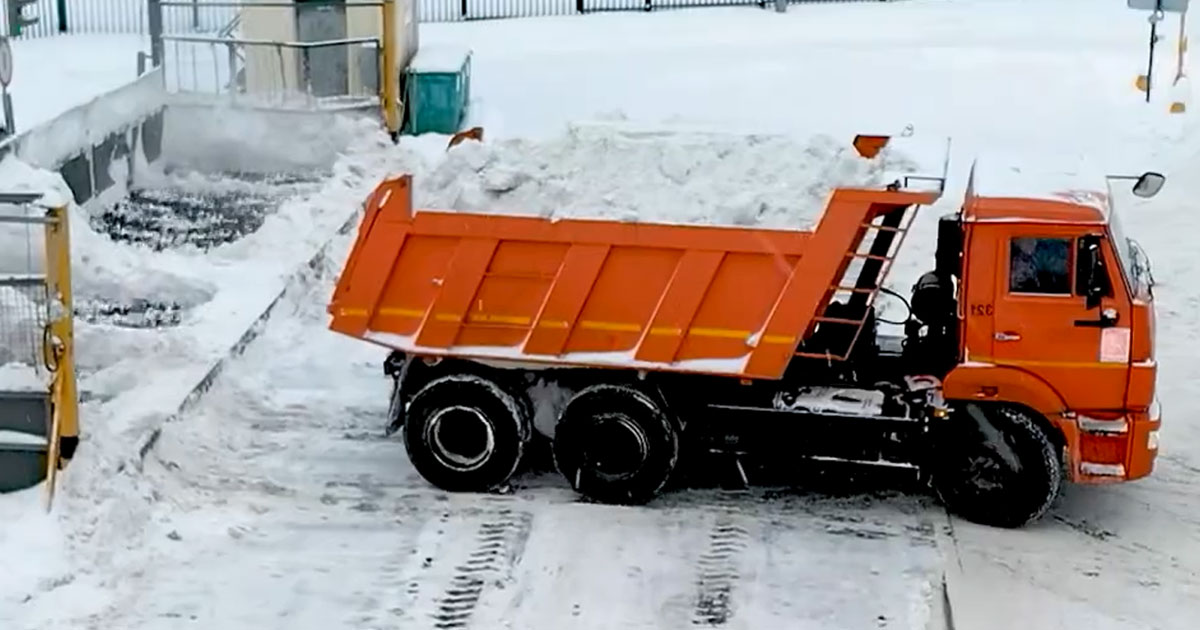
(1007, 336)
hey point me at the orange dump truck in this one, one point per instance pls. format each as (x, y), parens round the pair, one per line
(1027, 354)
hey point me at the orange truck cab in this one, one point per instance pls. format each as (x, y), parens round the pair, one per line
(1026, 359)
(1058, 316)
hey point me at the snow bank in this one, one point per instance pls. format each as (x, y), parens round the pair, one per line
(90, 124)
(137, 378)
(225, 138)
(54, 74)
(99, 266)
(704, 178)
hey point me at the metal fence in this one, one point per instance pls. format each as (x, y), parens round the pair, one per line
(459, 10)
(117, 17)
(130, 16)
(330, 74)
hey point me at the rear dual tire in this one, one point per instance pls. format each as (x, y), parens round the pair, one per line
(615, 444)
(464, 433)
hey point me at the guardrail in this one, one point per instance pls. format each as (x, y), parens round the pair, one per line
(342, 73)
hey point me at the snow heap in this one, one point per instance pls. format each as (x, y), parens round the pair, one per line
(705, 178)
(99, 265)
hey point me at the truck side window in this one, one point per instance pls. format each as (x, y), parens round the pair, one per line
(1039, 265)
(1104, 282)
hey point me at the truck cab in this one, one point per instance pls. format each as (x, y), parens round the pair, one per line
(1055, 313)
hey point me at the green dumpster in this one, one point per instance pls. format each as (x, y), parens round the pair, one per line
(437, 89)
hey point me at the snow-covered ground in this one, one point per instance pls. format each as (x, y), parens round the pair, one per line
(276, 502)
(54, 74)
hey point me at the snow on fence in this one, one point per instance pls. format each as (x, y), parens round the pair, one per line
(458, 10)
(117, 16)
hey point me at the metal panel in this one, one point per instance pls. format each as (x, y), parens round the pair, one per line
(25, 412)
(326, 69)
(21, 466)
(1171, 6)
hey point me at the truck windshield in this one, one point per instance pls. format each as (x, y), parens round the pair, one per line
(1134, 263)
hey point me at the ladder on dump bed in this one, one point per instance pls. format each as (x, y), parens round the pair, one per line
(38, 402)
(848, 307)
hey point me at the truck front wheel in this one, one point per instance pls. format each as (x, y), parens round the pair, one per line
(614, 444)
(463, 433)
(995, 465)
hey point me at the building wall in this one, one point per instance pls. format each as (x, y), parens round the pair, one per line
(265, 72)
(269, 69)
(361, 22)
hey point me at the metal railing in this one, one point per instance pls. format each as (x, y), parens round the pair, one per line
(459, 10)
(304, 75)
(130, 16)
(118, 17)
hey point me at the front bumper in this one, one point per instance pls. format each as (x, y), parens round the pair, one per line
(1112, 450)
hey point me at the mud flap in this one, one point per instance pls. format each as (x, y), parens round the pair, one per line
(397, 406)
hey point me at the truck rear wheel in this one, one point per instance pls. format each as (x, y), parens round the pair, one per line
(614, 444)
(996, 466)
(464, 433)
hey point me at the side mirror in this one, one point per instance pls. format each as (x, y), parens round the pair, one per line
(1149, 184)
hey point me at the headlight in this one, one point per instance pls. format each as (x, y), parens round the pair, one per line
(1152, 440)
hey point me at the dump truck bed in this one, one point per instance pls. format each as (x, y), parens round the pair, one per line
(719, 300)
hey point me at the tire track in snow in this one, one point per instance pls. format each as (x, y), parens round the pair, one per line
(718, 572)
(499, 542)
(499, 545)
(718, 567)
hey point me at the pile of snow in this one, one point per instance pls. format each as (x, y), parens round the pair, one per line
(99, 266)
(136, 377)
(700, 178)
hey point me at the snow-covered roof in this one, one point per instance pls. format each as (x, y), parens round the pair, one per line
(1067, 178)
(439, 58)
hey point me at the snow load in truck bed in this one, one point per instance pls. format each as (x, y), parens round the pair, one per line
(667, 175)
(732, 300)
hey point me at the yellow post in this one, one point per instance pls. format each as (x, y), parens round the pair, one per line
(390, 84)
(60, 343)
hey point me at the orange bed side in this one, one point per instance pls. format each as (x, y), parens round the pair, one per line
(719, 300)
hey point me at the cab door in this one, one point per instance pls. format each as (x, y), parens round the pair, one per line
(1044, 322)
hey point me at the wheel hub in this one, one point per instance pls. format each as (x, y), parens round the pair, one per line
(460, 437)
(617, 446)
